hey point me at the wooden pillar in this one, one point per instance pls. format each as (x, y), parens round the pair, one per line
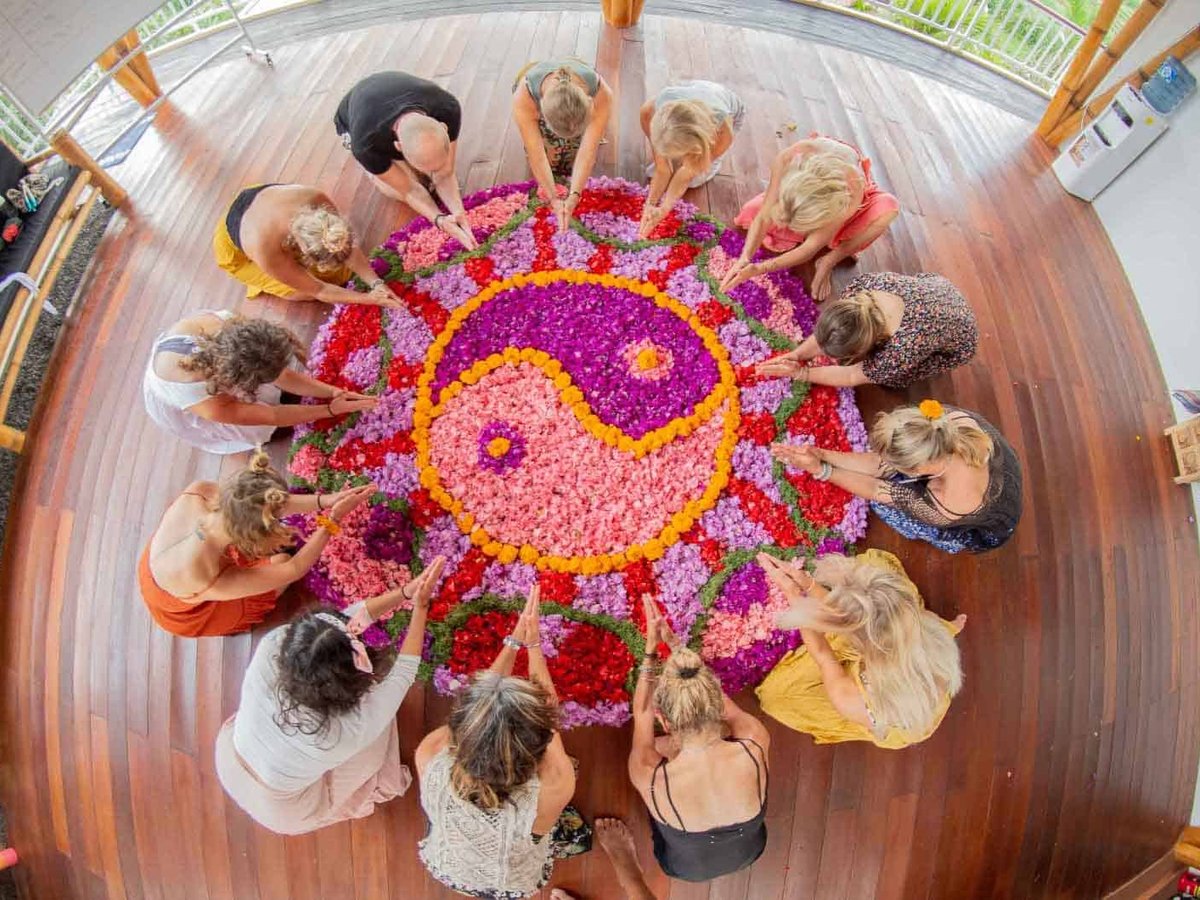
(1182, 48)
(66, 147)
(622, 13)
(1079, 65)
(136, 77)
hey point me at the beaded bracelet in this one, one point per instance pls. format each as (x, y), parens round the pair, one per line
(329, 525)
(825, 473)
(376, 284)
(510, 641)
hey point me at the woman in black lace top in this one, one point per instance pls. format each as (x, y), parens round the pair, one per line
(935, 473)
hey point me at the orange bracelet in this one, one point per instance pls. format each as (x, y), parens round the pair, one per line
(329, 525)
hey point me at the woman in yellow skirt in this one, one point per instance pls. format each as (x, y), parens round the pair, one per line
(290, 241)
(875, 666)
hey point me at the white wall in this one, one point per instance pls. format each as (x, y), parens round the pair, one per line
(1152, 215)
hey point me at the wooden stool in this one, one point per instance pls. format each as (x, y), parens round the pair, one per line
(1185, 441)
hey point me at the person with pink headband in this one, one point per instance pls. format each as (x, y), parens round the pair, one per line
(314, 740)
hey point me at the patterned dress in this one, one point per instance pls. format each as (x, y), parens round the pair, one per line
(937, 332)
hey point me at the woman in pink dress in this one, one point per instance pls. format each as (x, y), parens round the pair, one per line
(822, 204)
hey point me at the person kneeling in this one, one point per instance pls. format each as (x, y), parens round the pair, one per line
(314, 740)
(707, 792)
(495, 780)
(875, 666)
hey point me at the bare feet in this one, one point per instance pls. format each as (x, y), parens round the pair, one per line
(560, 894)
(617, 841)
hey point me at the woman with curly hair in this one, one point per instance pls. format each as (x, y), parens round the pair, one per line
(495, 780)
(290, 241)
(314, 740)
(875, 665)
(934, 473)
(215, 564)
(214, 380)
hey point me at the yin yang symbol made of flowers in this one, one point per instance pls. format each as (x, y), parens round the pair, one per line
(579, 411)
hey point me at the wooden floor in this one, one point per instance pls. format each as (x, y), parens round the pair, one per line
(1067, 764)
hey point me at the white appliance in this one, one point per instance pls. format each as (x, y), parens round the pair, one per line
(1116, 138)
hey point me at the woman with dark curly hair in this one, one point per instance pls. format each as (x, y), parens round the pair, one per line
(214, 565)
(314, 740)
(495, 780)
(214, 380)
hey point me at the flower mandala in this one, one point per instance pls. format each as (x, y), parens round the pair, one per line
(579, 411)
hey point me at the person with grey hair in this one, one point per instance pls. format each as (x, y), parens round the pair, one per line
(404, 131)
(495, 780)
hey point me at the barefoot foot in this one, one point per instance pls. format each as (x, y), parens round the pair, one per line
(560, 894)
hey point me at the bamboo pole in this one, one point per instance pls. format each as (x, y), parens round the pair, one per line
(1103, 64)
(66, 147)
(1181, 49)
(1079, 64)
(136, 76)
(622, 13)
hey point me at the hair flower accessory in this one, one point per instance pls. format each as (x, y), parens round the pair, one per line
(931, 409)
(362, 661)
(576, 411)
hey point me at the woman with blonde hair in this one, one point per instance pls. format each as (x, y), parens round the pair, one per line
(215, 380)
(561, 114)
(216, 564)
(495, 780)
(821, 203)
(689, 126)
(886, 329)
(707, 796)
(290, 241)
(314, 739)
(934, 473)
(875, 665)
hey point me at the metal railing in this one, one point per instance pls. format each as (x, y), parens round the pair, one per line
(1024, 39)
(167, 27)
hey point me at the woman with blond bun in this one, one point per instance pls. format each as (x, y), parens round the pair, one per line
(495, 780)
(215, 564)
(875, 665)
(689, 126)
(707, 797)
(290, 241)
(886, 329)
(934, 473)
(561, 107)
(314, 740)
(821, 203)
(215, 380)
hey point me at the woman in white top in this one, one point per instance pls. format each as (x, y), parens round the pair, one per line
(214, 380)
(496, 778)
(314, 740)
(689, 126)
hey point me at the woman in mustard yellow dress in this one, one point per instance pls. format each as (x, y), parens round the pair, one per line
(290, 241)
(875, 666)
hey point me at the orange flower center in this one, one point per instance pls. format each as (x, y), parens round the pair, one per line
(498, 446)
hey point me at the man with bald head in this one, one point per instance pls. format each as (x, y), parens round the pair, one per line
(404, 131)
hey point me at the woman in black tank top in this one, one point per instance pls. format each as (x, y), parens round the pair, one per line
(708, 795)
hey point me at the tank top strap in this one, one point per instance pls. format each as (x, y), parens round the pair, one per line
(662, 766)
(183, 344)
(758, 769)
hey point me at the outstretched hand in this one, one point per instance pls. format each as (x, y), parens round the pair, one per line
(793, 582)
(741, 270)
(348, 501)
(651, 217)
(383, 296)
(798, 456)
(786, 365)
(420, 589)
(528, 630)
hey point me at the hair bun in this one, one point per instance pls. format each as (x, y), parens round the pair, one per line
(688, 672)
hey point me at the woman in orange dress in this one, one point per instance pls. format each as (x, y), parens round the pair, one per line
(214, 565)
(822, 204)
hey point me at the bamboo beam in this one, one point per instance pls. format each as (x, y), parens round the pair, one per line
(136, 77)
(66, 147)
(1181, 49)
(1103, 64)
(622, 13)
(1079, 65)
